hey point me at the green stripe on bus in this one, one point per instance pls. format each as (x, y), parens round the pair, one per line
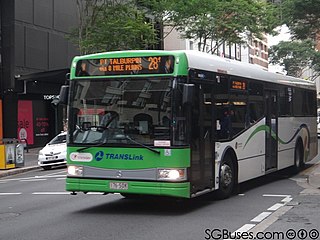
(150, 188)
(268, 130)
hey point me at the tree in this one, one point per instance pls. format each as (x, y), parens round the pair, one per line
(215, 21)
(302, 17)
(296, 57)
(303, 20)
(107, 25)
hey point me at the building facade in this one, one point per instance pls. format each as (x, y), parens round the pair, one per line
(258, 51)
(255, 51)
(35, 57)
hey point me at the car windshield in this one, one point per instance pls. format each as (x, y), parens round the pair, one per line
(58, 139)
(110, 111)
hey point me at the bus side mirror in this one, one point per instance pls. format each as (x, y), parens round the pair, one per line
(188, 91)
(64, 92)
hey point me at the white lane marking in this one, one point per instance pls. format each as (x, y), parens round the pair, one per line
(261, 217)
(33, 180)
(287, 199)
(270, 220)
(51, 193)
(8, 194)
(15, 179)
(266, 218)
(275, 195)
(27, 178)
(53, 174)
(275, 207)
(95, 193)
(245, 228)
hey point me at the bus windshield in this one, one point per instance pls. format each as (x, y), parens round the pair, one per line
(115, 111)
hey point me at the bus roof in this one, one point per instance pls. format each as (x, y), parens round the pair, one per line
(192, 59)
(209, 62)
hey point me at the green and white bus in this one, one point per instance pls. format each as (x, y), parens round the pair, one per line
(182, 123)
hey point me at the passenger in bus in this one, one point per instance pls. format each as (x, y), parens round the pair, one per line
(226, 124)
(168, 66)
(250, 117)
(109, 119)
(83, 70)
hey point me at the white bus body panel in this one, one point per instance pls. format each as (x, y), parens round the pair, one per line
(286, 129)
(250, 146)
(250, 152)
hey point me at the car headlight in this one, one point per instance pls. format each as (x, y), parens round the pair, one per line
(172, 174)
(75, 171)
(40, 152)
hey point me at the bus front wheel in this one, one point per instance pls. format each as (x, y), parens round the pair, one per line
(226, 178)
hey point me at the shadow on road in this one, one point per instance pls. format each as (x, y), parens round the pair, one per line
(273, 177)
(151, 206)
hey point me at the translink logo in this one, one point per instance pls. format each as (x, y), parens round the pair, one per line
(99, 156)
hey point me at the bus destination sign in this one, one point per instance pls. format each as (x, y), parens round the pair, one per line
(125, 66)
(238, 85)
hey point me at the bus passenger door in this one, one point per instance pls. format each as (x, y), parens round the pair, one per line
(202, 146)
(272, 130)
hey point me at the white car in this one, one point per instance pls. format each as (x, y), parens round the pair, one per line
(318, 129)
(54, 153)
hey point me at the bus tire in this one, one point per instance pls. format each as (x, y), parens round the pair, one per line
(226, 178)
(298, 157)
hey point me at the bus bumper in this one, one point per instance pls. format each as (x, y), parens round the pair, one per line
(181, 190)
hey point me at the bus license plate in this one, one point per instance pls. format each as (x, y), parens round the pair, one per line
(118, 185)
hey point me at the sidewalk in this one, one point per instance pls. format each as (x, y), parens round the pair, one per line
(299, 218)
(314, 176)
(30, 163)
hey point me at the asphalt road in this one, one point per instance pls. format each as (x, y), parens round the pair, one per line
(34, 205)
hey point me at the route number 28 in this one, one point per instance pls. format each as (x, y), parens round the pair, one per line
(154, 63)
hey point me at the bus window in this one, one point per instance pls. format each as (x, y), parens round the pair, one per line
(115, 110)
(254, 112)
(285, 101)
(180, 136)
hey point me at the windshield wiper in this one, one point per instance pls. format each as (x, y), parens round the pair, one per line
(142, 145)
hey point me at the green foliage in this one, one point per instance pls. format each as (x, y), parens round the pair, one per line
(112, 25)
(302, 17)
(215, 21)
(295, 56)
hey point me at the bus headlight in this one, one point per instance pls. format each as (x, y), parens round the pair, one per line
(172, 174)
(75, 171)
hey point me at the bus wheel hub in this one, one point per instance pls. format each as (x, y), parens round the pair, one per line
(226, 175)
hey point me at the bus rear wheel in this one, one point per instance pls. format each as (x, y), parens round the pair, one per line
(226, 178)
(298, 158)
